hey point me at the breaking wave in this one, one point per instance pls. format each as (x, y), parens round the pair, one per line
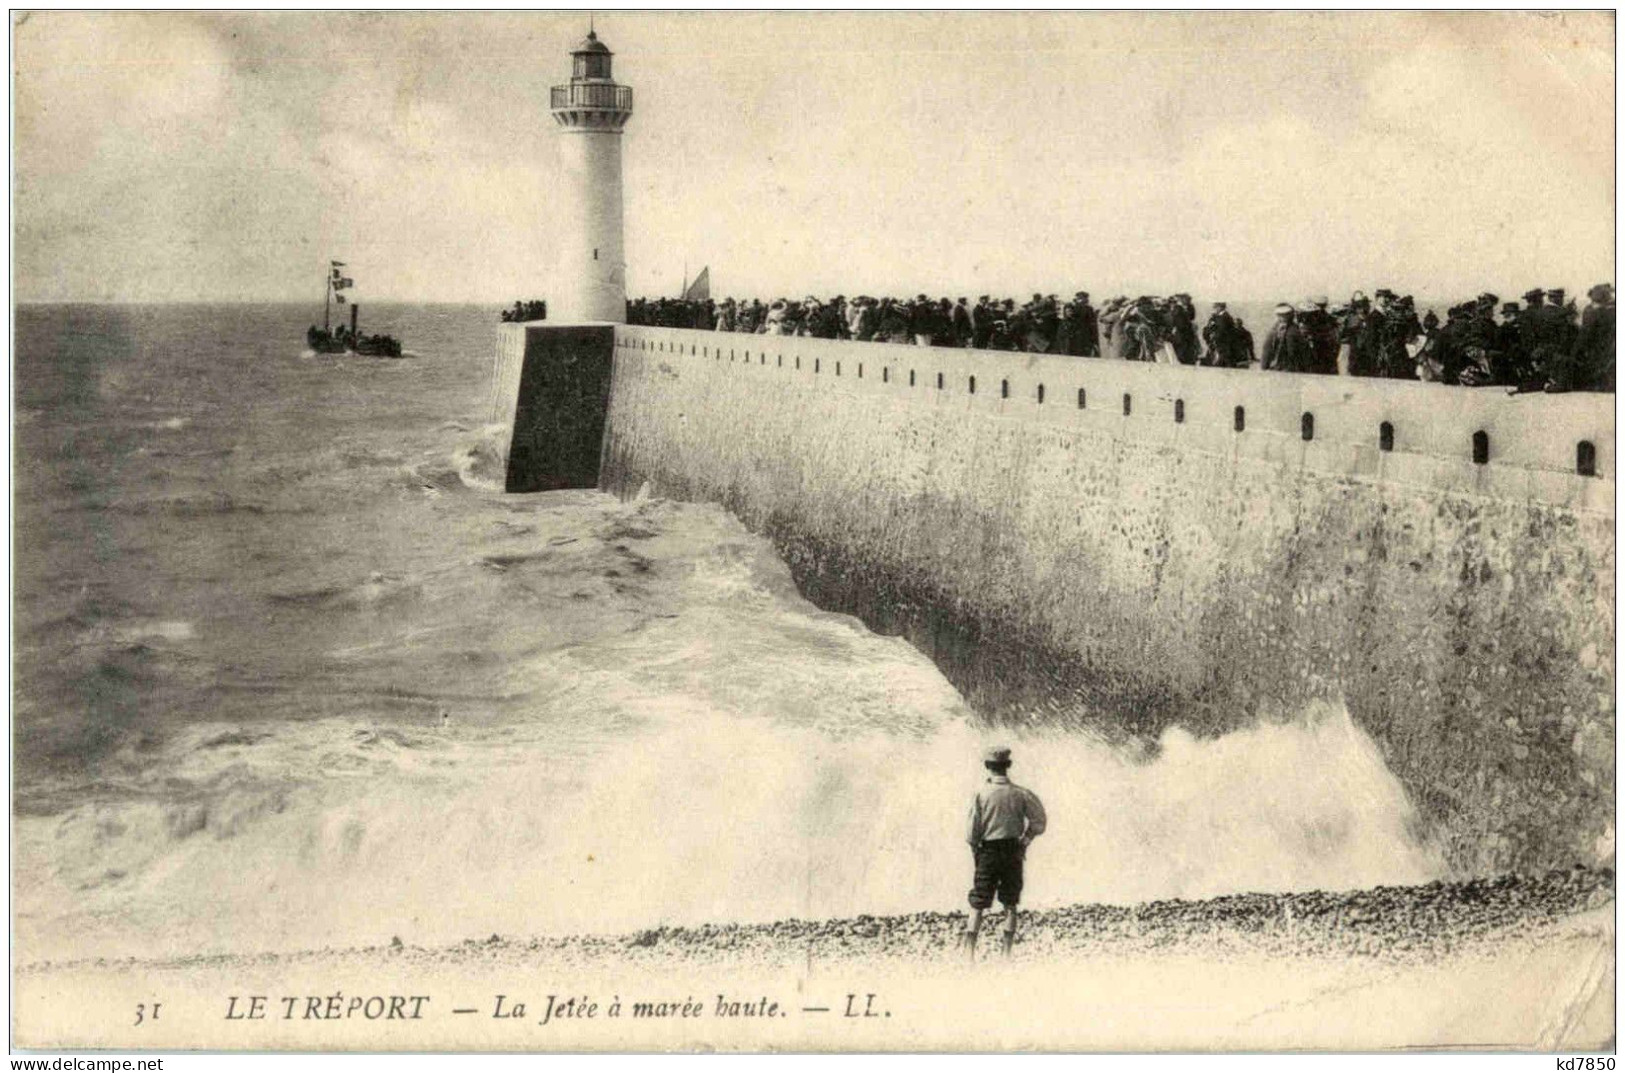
(746, 757)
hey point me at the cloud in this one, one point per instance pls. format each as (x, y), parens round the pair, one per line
(164, 155)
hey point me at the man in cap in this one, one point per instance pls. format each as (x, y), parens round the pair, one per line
(1004, 819)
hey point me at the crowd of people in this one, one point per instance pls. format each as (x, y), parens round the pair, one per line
(1546, 343)
(535, 309)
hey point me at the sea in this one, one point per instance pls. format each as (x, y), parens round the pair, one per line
(292, 672)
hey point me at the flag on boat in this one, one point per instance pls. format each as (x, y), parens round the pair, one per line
(339, 298)
(337, 264)
(700, 289)
(341, 282)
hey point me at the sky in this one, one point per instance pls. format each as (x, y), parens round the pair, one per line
(1255, 156)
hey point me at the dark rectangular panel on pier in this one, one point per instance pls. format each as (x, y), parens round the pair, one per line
(558, 426)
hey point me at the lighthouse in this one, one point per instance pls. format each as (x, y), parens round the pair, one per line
(589, 281)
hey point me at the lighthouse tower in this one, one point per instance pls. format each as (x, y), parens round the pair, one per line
(589, 281)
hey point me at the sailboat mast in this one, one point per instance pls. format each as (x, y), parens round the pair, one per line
(327, 301)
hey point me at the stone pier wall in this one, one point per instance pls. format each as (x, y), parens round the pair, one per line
(1136, 546)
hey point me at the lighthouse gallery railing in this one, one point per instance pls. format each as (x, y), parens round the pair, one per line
(593, 95)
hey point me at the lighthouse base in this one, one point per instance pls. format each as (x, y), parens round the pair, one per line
(551, 387)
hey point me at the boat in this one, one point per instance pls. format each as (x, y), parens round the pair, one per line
(325, 340)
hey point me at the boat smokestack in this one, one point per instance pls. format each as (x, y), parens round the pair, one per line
(355, 315)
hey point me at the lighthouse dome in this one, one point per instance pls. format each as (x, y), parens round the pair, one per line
(590, 43)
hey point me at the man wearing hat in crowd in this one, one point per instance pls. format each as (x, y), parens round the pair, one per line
(1564, 317)
(1361, 332)
(959, 324)
(981, 322)
(1531, 322)
(1399, 326)
(1065, 332)
(894, 322)
(1508, 360)
(945, 325)
(1286, 348)
(1085, 327)
(1594, 346)
(1179, 315)
(1004, 819)
(1588, 364)
(725, 316)
(865, 319)
(1219, 333)
(1321, 328)
(922, 319)
(1554, 329)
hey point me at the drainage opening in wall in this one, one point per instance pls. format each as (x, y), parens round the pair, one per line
(1083, 399)
(1385, 436)
(911, 378)
(939, 381)
(1585, 458)
(973, 385)
(1241, 419)
(1040, 394)
(1179, 411)
(1481, 447)
(1128, 404)
(1306, 425)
